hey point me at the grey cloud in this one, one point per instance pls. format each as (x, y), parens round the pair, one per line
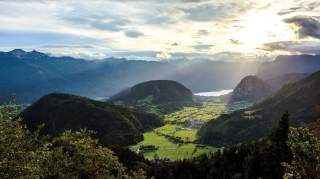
(307, 26)
(203, 47)
(214, 11)
(235, 41)
(133, 33)
(289, 10)
(304, 47)
(92, 15)
(203, 32)
(300, 7)
(113, 24)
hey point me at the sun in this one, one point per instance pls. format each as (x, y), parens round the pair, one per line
(256, 28)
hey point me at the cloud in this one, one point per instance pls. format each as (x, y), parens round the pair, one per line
(203, 32)
(307, 26)
(300, 6)
(235, 41)
(31, 38)
(216, 10)
(203, 47)
(163, 55)
(175, 44)
(295, 47)
(133, 33)
(98, 20)
(66, 46)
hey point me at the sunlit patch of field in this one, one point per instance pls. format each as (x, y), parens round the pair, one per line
(187, 135)
(177, 130)
(204, 112)
(170, 150)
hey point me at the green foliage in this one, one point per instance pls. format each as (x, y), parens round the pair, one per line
(19, 149)
(305, 148)
(76, 155)
(24, 154)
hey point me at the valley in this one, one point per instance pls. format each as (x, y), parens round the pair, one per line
(178, 138)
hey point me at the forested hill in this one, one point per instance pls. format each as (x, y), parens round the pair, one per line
(158, 96)
(301, 99)
(252, 89)
(113, 124)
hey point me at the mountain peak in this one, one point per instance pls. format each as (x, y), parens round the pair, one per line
(21, 53)
(18, 52)
(36, 54)
(251, 88)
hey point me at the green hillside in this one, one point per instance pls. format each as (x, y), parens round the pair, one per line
(113, 124)
(158, 96)
(301, 99)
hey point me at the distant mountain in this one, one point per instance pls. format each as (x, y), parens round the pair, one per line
(301, 99)
(159, 96)
(113, 124)
(279, 81)
(251, 89)
(286, 64)
(29, 75)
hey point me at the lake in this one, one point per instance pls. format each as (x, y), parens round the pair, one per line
(214, 93)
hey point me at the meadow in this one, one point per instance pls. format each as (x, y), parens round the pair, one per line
(169, 149)
(177, 139)
(204, 112)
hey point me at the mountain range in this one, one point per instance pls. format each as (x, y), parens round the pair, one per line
(29, 75)
(26, 76)
(289, 64)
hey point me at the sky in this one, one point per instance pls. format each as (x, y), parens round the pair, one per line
(162, 29)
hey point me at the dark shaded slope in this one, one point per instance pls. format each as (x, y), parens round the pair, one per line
(301, 99)
(113, 124)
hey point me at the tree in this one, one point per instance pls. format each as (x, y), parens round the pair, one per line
(25, 154)
(306, 154)
(273, 151)
(18, 148)
(280, 135)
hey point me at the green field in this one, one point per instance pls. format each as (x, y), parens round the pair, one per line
(176, 139)
(170, 150)
(204, 112)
